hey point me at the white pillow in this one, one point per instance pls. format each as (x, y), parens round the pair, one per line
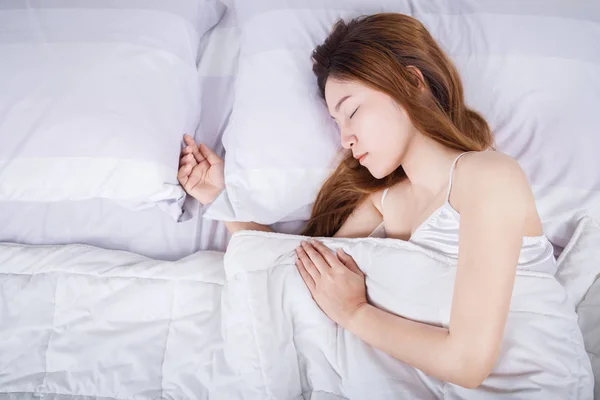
(579, 272)
(530, 67)
(96, 96)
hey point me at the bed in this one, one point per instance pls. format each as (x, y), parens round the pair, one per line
(115, 285)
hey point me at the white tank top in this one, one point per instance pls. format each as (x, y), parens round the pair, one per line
(439, 233)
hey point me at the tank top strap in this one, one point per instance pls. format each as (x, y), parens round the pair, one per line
(385, 192)
(452, 174)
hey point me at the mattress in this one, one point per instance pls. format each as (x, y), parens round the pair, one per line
(149, 232)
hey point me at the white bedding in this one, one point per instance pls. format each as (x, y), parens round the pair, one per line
(530, 67)
(95, 97)
(286, 346)
(579, 273)
(78, 322)
(149, 232)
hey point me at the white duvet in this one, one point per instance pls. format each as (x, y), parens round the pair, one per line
(78, 322)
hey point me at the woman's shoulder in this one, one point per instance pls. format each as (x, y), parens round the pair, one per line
(490, 160)
(493, 180)
(489, 176)
(492, 168)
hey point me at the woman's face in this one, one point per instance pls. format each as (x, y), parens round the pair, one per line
(372, 125)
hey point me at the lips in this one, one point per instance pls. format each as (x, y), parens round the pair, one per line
(361, 157)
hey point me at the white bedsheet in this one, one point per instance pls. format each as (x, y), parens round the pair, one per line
(147, 232)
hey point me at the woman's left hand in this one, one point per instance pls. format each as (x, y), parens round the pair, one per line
(334, 280)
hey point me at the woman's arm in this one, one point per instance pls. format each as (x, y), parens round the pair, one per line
(493, 212)
(365, 218)
(493, 201)
(234, 227)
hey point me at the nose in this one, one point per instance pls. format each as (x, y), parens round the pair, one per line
(347, 138)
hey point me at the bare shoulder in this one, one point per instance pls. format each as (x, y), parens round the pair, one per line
(495, 180)
(493, 169)
(491, 177)
(491, 160)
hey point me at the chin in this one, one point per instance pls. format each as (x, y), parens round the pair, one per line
(381, 172)
(377, 174)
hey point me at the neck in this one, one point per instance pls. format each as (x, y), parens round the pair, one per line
(427, 165)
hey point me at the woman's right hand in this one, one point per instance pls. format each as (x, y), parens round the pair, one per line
(201, 171)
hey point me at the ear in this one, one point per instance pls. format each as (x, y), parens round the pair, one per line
(419, 75)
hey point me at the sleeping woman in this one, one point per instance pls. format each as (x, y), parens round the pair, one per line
(419, 166)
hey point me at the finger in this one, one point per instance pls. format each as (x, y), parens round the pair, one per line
(183, 174)
(189, 141)
(188, 159)
(191, 148)
(308, 264)
(316, 257)
(197, 155)
(210, 155)
(194, 178)
(349, 262)
(184, 168)
(326, 253)
(308, 280)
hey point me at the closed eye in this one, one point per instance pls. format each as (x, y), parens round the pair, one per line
(352, 115)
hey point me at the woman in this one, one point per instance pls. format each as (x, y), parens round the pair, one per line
(419, 166)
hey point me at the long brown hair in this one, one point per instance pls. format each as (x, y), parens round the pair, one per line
(377, 50)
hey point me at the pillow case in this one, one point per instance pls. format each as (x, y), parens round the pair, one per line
(579, 272)
(529, 68)
(96, 96)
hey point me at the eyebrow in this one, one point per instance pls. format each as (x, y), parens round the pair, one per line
(337, 107)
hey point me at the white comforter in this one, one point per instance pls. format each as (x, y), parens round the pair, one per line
(78, 322)
(83, 323)
(284, 345)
